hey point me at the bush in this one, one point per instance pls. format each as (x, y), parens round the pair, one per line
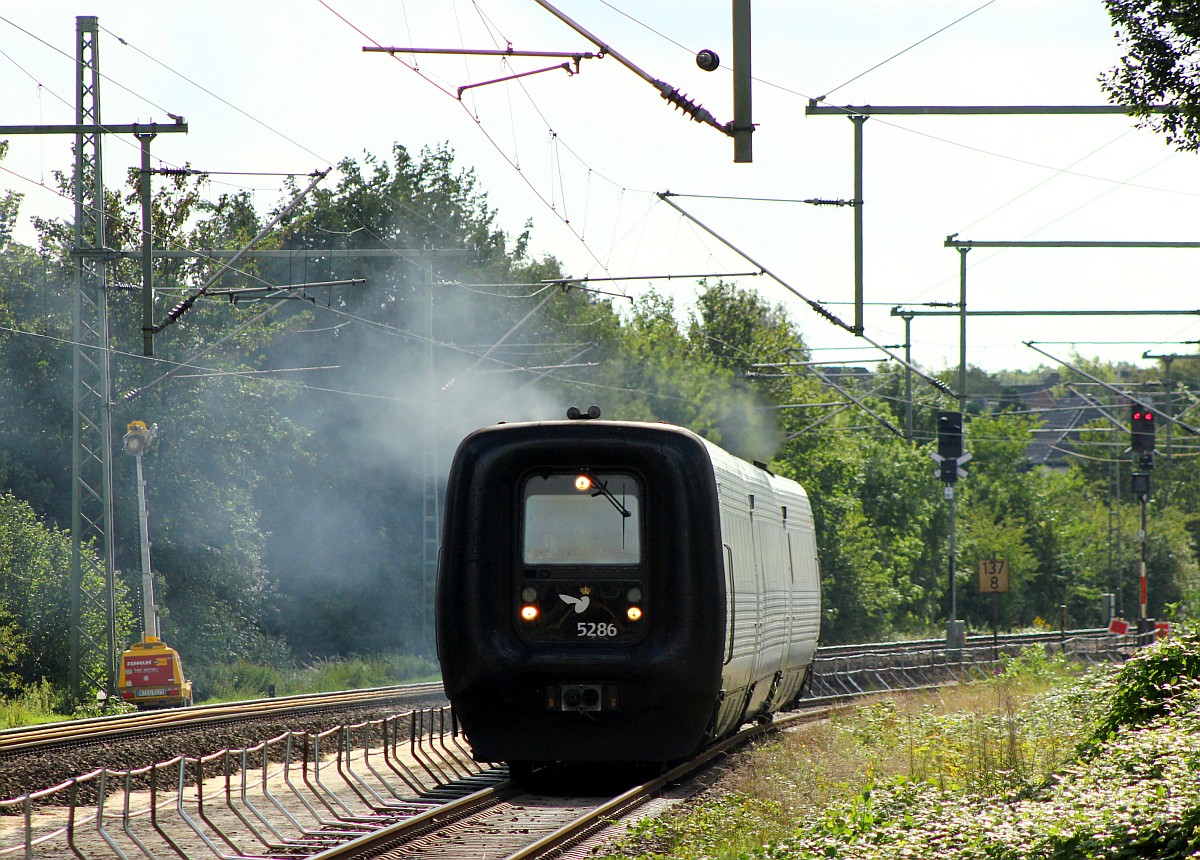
(37, 703)
(1146, 686)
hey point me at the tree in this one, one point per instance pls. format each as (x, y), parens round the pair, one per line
(1161, 39)
(400, 369)
(35, 601)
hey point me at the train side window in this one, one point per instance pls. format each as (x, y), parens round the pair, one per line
(582, 518)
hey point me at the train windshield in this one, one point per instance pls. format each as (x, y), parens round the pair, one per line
(582, 518)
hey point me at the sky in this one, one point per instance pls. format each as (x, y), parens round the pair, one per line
(270, 87)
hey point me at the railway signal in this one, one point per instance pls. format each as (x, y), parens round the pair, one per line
(1141, 425)
(949, 434)
(950, 460)
(1141, 422)
(949, 457)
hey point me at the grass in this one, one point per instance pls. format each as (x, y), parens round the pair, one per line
(233, 682)
(33, 706)
(44, 703)
(1003, 736)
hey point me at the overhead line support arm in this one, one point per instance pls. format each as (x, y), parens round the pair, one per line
(668, 92)
(184, 306)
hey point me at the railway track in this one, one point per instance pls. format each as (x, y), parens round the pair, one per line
(101, 729)
(406, 785)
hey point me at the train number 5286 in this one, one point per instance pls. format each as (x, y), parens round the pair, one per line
(595, 629)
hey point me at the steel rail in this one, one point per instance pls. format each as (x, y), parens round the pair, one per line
(98, 729)
(971, 660)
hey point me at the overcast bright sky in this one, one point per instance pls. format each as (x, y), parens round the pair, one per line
(284, 86)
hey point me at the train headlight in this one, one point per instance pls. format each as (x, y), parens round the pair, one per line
(583, 483)
(529, 594)
(634, 613)
(634, 595)
(529, 612)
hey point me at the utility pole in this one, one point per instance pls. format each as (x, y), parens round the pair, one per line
(962, 329)
(742, 126)
(431, 477)
(908, 397)
(859, 323)
(144, 174)
(1114, 536)
(91, 456)
(93, 592)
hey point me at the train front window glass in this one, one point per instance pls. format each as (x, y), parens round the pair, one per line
(582, 518)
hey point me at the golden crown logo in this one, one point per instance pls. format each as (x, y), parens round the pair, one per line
(585, 590)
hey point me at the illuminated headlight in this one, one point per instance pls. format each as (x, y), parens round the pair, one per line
(529, 612)
(634, 613)
(583, 483)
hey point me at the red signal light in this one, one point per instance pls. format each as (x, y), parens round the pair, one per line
(1142, 429)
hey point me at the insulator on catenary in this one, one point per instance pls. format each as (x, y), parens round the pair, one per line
(695, 111)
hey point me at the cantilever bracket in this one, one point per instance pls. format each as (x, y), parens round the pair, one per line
(564, 66)
(575, 57)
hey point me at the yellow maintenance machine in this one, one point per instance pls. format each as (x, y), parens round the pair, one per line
(151, 673)
(152, 676)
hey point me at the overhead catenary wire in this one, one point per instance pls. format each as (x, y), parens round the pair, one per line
(901, 53)
(816, 307)
(250, 116)
(1114, 389)
(552, 207)
(229, 265)
(892, 124)
(184, 306)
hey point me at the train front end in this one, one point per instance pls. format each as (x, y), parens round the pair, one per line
(580, 617)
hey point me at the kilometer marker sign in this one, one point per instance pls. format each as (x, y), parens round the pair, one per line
(993, 575)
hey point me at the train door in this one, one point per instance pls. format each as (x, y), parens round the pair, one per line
(759, 584)
(731, 591)
(773, 621)
(806, 597)
(741, 608)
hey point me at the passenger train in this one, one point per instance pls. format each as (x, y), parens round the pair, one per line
(618, 591)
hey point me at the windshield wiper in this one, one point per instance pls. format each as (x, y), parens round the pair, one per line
(603, 490)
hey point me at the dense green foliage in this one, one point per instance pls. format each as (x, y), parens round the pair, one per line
(35, 565)
(289, 485)
(1152, 684)
(1005, 735)
(244, 679)
(999, 782)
